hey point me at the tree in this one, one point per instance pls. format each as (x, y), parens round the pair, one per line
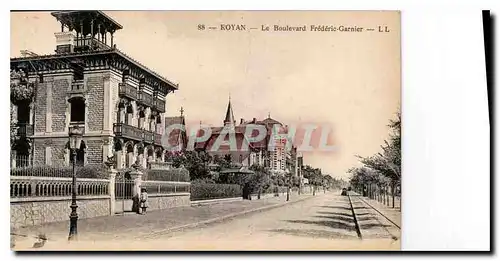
(195, 162)
(21, 90)
(259, 181)
(382, 169)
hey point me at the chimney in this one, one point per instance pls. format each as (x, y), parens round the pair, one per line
(65, 42)
(242, 121)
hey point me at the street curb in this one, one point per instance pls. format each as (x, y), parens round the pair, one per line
(356, 224)
(214, 201)
(380, 212)
(218, 219)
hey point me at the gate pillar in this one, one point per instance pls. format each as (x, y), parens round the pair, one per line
(136, 176)
(111, 191)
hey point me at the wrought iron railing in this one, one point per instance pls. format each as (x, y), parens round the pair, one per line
(31, 186)
(165, 187)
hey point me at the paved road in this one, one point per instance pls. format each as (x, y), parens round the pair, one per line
(324, 222)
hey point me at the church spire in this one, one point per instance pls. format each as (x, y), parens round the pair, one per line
(229, 120)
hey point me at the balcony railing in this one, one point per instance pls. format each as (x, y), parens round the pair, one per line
(77, 87)
(134, 133)
(146, 99)
(80, 124)
(160, 105)
(24, 129)
(157, 139)
(127, 90)
(90, 44)
(127, 131)
(148, 137)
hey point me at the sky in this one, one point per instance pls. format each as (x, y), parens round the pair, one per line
(349, 81)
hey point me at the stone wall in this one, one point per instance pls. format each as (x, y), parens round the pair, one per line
(31, 212)
(156, 202)
(94, 151)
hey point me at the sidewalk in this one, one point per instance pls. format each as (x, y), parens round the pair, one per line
(394, 214)
(130, 226)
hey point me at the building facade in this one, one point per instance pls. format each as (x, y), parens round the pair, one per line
(117, 102)
(271, 152)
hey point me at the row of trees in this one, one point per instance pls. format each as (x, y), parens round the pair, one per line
(379, 176)
(317, 178)
(205, 168)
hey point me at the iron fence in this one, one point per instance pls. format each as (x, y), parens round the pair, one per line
(98, 171)
(23, 186)
(165, 187)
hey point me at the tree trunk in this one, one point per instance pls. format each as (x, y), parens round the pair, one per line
(387, 194)
(383, 195)
(393, 196)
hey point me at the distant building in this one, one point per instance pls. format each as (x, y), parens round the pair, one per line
(237, 154)
(272, 155)
(177, 137)
(117, 101)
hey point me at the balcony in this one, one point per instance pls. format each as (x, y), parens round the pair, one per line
(77, 89)
(89, 44)
(24, 129)
(80, 124)
(127, 131)
(127, 90)
(148, 137)
(146, 99)
(157, 140)
(134, 133)
(160, 105)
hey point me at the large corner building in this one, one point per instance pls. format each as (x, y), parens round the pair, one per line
(119, 102)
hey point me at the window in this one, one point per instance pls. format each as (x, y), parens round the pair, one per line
(130, 115)
(141, 119)
(77, 110)
(23, 112)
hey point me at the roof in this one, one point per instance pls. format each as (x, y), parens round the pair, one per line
(269, 121)
(176, 134)
(111, 50)
(72, 18)
(229, 114)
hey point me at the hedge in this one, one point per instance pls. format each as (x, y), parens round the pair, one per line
(98, 171)
(202, 191)
(166, 175)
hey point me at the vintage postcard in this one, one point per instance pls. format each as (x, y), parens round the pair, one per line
(205, 130)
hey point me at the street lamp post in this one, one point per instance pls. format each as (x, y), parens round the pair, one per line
(75, 138)
(288, 188)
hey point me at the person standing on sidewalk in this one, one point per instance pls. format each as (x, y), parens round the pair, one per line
(144, 200)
